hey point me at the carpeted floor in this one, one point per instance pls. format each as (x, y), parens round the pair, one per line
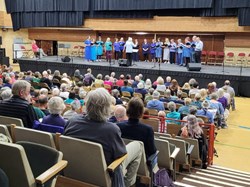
(233, 144)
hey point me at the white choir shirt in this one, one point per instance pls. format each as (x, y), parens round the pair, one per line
(129, 46)
(199, 46)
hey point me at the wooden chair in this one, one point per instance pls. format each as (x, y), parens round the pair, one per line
(195, 154)
(167, 155)
(204, 118)
(25, 52)
(107, 87)
(31, 135)
(211, 59)
(29, 164)
(125, 99)
(183, 157)
(138, 95)
(5, 120)
(173, 129)
(87, 166)
(229, 59)
(126, 94)
(153, 112)
(154, 123)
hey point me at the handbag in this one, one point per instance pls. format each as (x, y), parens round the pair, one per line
(162, 179)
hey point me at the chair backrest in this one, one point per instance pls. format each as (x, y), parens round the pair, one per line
(164, 160)
(30, 135)
(230, 54)
(241, 54)
(86, 161)
(10, 120)
(47, 128)
(15, 164)
(143, 168)
(195, 154)
(154, 123)
(138, 95)
(204, 118)
(153, 112)
(158, 134)
(220, 54)
(173, 128)
(212, 53)
(182, 155)
(4, 130)
(126, 94)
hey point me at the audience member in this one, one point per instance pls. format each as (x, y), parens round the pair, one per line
(115, 93)
(63, 91)
(195, 89)
(227, 87)
(56, 107)
(120, 82)
(45, 79)
(120, 114)
(18, 105)
(75, 106)
(43, 104)
(168, 81)
(186, 88)
(94, 127)
(140, 89)
(174, 87)
(197, 101)
(185, 109)
(127, 88)
(173, 114)
(155, 103)
(160, 85)
(204, 112)
(6, 94)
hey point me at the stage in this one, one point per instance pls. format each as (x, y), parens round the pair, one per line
(239, 76)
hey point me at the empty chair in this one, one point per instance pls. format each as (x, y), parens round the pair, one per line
(173, 129)
(154, 123)
(10, 120)
(204, 57)
(183, 157)
(28, 164)
(31, 135)
(220, 58)
(87, 166)
(211, 59)
(195, 154)
(167, 155)
(4, 130)
(241, 58)
(229, 59)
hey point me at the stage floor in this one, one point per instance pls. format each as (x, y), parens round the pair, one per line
(206, 69)
(239, 76)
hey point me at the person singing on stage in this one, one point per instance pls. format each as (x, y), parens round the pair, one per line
(87, 49)
(158, 51)
(36, 49)
(136, 52)
(117, 49)
(128, 47)
(122, 43)
(99, 44)
(179, 60)
(172, 50)
(108, 50)
(152, 50)
(186, 52)
(93, 50)
(166, 52)
(145, 50)
(198, 49)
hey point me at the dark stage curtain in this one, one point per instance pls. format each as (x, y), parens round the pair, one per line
(120, 14)
(218, 10)
(236, 3)
(101, 5)
(46, 19)
(244, 16)
(46, 5)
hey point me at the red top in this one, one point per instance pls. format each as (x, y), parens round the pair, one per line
(35, 48)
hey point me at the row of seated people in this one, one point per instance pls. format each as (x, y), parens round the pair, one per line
(94, 127)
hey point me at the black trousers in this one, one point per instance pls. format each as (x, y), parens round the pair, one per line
(129, 58)
(121, 54)
(172, 57)
(197, 56)
(145, 55)
(117, 55)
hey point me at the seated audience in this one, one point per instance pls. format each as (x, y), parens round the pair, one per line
(193, 130)
(55, 92)
(43, 104)
(120, 114)
(197, 101)
(75, 106)
(6, 93)
(185, 88)
(18, 106)
(168, 81)
(94, 127)
(185, 109)
(204, 95)
(173, 114)
(115, 93)
(137, 80)
(127, 88)
(167, 97)
(44, 91)
(108, 82)
(57, 75)
(148, 84)
(56, 107)
(149, 96)
(88, 78)
(98, 79)
(229, 89)
(195, 89)
(7, 82)
(64, 91)
(71, 98)
(140, 89)
(222, 99)
(45, 79)
(120, 82)
(155, 103)
(204, 111)
(160, 85)
(174, 87)
(134, 130)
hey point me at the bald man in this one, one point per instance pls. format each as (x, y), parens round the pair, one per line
(120, 113)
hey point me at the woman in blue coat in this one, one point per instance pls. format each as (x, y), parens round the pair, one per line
(158, 51)
(93, 50)
(186, 51)
(152, 50)
(87, 49)
(99, 44)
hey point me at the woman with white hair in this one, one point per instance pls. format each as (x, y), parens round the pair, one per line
(222, 99)
(194, 131)
(140, 89)
(148, 84)
(56, 107)
(173, 114)
(75, 106)
(160, 85)
(128, 47)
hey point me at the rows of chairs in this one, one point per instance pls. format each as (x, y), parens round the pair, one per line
(230, 59)
(175, 154)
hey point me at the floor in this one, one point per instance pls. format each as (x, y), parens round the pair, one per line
(233, 144)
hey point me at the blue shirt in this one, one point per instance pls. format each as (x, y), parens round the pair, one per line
(146, 47)
(129, 46)
(117, 46)
(152, 48)
(173, 47)
(184, 110)
(54, 119)
(127, 89)
(156, 104)
(174, 115)
(108, 46)
(206, 113)
(122, 43)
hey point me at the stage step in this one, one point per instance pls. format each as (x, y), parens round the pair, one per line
(213, 176)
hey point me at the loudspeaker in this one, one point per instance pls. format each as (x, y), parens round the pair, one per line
(0, 40)
(194, 67)
(66, 59)
(5, 61)
(2, 52)
(123, 62)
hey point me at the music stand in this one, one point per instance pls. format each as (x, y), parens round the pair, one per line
(60, 46)
(68, 46)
